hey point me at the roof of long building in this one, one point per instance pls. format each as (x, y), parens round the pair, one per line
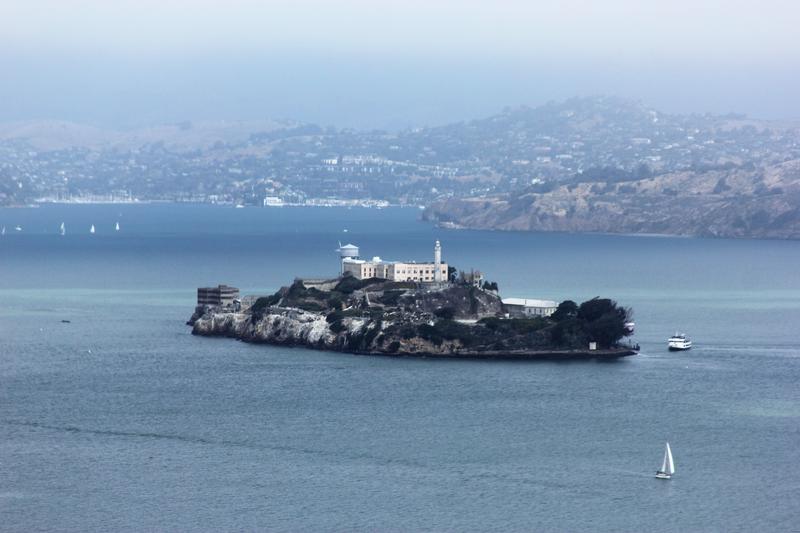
(530, 302)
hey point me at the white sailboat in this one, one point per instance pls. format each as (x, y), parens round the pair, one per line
(91, 230)
(61, 229)
(4, 231)
(667, 466)
(116, 227)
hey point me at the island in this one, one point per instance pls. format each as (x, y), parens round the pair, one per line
(388, 308)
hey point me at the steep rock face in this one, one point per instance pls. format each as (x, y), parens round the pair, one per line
(295, 327)
(289, 326)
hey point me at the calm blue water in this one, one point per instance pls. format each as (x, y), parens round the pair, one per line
(121, 420)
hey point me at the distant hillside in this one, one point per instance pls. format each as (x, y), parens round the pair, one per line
(762, 203)
(583, 164)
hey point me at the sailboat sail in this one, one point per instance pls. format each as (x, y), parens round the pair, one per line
(668, 466)
(671, 464)
(117, 226)
(62, 230)
(91, 230)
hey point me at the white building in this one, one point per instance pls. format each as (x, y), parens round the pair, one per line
(426, 272)
(526, 307)
(272, 201)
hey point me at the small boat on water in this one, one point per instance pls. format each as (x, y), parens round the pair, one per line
(667, 466)
(679, 342)
(62, 230)
(116, 227)
(17, 228)
(3, 232)
(91, 230)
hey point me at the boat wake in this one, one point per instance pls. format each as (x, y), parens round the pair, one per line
(219, 442)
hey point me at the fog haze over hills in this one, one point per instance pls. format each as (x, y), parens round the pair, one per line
(388, 65)
(374, 92)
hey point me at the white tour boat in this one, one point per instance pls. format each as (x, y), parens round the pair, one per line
(667, 466)
(679, 341)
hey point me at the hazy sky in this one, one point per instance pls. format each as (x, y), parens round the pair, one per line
(389, 63)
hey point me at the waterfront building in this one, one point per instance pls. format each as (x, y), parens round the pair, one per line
(222, 295)
(272, 201)
(425, 272)
(527, 307)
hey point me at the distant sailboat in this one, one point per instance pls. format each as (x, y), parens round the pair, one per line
(667, 467)
(62, 230)
(4, 231)
(91, 230)
(116, 227)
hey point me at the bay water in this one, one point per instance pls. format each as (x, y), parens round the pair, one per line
(121, 420)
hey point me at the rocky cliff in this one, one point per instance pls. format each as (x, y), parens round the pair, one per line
(384, 318)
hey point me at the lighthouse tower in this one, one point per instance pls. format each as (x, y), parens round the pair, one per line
(437, 262)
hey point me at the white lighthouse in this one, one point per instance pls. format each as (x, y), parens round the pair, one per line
(437, 262)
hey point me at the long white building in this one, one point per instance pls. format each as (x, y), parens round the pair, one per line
(529, 307)
(425, 272)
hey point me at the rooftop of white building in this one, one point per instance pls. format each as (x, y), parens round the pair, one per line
(383, 261)
(529, 302)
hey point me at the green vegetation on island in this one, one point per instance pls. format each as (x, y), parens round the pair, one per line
(454, 319)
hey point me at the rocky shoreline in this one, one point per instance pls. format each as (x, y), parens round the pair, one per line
(410, 326)
(295, 328)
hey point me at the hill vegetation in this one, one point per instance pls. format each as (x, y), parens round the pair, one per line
(379, 316)
(583, 164)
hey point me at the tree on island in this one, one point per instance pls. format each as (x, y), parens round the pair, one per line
(566, 310)
(490, 286)
(599, 320)
(452, 273)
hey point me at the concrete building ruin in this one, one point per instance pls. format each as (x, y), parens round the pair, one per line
(222, 295)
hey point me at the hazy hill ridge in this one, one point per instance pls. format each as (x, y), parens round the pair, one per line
(718, 203)
(584, 164)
